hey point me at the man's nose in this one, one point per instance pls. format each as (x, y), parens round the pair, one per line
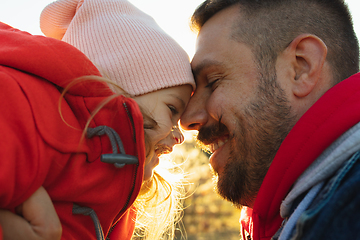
(195, 114)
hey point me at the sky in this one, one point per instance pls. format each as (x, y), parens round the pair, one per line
(172, 15)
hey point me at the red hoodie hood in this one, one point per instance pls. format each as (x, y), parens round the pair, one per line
(33, 71)
(59, 63)
(30, 54)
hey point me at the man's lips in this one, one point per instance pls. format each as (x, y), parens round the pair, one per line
(215, 144)
(213, 137)
(218, 150)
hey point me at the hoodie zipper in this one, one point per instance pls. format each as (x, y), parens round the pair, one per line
(134, 178)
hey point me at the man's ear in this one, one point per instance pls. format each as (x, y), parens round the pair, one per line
(309, 54)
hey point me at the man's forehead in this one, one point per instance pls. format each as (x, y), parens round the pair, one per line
(219, 24)
(204, 65)
(215, 34)
(209, 48)
(224, 18)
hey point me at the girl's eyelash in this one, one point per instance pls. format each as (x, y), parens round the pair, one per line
(173, 109)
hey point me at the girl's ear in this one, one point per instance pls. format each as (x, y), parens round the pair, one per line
(308, 53)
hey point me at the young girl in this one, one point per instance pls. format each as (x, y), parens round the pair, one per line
(95, 180)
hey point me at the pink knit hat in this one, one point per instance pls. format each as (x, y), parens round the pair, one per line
(125, 44)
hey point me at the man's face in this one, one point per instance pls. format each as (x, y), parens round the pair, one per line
(239, 118)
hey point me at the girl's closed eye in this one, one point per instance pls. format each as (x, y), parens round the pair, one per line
(173, 109)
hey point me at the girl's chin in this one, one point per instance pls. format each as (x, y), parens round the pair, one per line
(148, 176)
(149, 168)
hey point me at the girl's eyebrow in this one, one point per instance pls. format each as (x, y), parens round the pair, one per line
(182, 102)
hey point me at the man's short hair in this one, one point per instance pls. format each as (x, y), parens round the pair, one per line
(269, 26)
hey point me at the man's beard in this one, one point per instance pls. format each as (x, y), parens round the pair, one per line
(260, 130)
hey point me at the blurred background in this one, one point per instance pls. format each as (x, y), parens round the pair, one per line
(206, 215)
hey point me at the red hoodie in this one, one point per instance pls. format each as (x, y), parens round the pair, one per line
(332, 115)
(41, 147)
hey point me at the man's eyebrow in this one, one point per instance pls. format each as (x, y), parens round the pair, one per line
(205, 64)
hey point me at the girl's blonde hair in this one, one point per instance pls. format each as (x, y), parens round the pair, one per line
(159, 203)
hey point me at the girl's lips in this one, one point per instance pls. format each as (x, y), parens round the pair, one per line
(162, 149)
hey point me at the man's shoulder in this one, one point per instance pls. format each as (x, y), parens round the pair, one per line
(334, 213)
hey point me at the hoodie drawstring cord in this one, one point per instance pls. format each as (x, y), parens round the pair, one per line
(90, 212)
(118, 159)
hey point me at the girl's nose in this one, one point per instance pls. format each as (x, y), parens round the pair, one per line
(177, 135)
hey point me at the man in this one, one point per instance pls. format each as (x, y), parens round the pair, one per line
(278, 103)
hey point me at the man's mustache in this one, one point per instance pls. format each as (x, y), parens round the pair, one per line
(209, 134)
